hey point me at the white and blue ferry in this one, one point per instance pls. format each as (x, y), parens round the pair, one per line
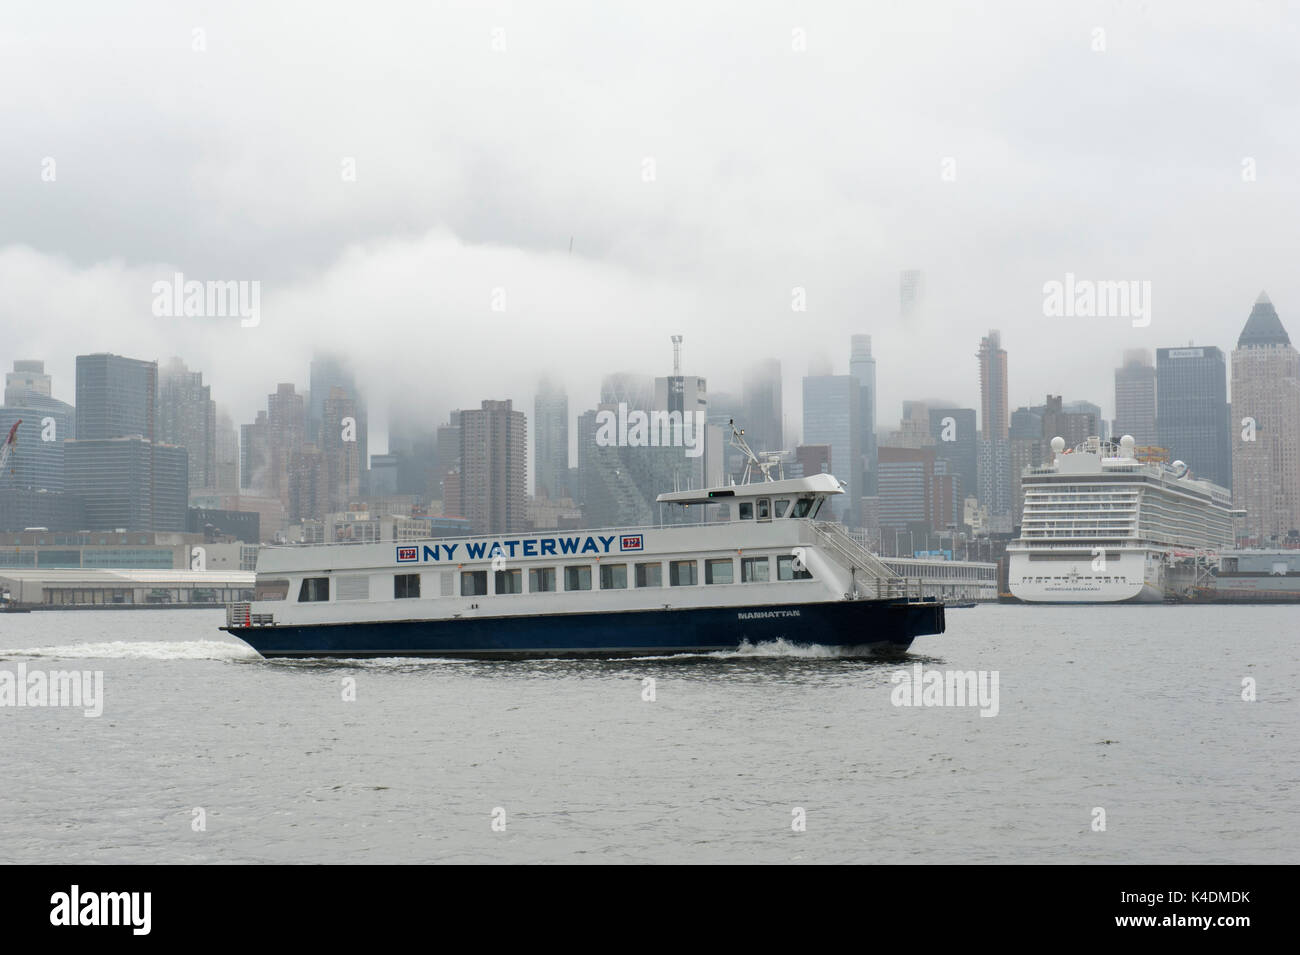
(762, 569)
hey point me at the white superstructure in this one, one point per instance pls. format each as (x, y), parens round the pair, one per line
(1100, 526)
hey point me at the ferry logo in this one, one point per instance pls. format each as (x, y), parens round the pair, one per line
(405, 554)
(631, 542)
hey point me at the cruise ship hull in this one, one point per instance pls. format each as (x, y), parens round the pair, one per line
(877, 625)
(1135, 577)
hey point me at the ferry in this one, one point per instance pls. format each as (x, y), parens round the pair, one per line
(759, 567)
(1100, 526)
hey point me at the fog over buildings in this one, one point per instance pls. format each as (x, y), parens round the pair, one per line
(492, 191)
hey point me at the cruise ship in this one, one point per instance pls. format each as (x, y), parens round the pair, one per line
(1100, 526)
(760, 568)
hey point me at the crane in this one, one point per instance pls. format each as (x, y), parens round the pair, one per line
(7, 448)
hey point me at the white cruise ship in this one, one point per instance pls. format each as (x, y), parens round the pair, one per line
(1099, 526)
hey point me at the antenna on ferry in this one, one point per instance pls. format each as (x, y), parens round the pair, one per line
(752, 461)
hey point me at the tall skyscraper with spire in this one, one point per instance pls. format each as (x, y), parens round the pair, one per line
(1265, 427)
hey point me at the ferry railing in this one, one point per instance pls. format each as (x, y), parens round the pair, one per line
(885, 583)
(241, 615)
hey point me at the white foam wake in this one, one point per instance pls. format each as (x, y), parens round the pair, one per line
(141, 650)
(800, 651)
(778, 648)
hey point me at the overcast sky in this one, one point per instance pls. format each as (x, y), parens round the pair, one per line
(774, 167)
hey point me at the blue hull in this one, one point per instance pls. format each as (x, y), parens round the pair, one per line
(879, 624)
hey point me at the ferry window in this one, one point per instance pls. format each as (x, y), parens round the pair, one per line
(782, 506)
(473, 583)
(613, 576)
(719, 570)
(271, 590)
(682, 573)
(817, 506)
(764, 509)
(541, 580)
(509, 581)
(746, 510)
(577, 578)
(650, 575)
(446, 581)
(786, 570)
(406, 585)
(314, 589)
(802, 506)
(754, 570)
(352, 587)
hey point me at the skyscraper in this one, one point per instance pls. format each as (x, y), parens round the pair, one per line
(832, 415)
(128, 482)
(911, 292)
(1265, 427)
(1192, 410)
(994, 413)
(33, 482)
(340, 445)
(494, 468)
(995, 477)
(255, 455)
(1027, 450)
(187, 417)
(36, 462)
(226, 478)
(689, 394)
(762, 407)
(126, 476)
(1135, 397)
(1075, 427)
(551, 450)
(862, 366)
(956, 441)
(116, 397)
(286, 420)
(917, 492)
(327, 373)
(27, 378)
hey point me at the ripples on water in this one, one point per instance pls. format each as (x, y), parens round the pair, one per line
(1136, 710)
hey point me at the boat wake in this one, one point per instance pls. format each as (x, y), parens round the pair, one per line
(779, 649)
(141, 650)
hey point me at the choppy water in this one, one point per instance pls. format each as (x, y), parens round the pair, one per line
(1136, 710)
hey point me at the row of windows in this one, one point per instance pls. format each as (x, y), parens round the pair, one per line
(474, 583)
(1048, 580)
(764, 508)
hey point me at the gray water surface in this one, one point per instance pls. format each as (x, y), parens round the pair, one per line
(1136, 710)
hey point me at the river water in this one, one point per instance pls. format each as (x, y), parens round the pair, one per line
(204, 752)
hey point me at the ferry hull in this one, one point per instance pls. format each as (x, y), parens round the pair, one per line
(888, 625)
